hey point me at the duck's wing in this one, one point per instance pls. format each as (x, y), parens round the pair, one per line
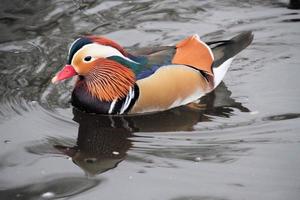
(226, 49)
(176, 84)
(222, 50)
(190, 52)
(146, 51)
(208, 57)
(151, 59)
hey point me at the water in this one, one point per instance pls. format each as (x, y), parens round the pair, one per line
(239, 142)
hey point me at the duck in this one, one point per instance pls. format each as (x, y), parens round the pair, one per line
(114, 80)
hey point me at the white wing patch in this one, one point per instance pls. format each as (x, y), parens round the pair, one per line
(220, 71)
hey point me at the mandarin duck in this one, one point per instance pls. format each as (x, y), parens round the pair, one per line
(114, 80)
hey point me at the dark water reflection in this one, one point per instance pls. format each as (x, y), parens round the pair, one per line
(239, 142)
(103, 141)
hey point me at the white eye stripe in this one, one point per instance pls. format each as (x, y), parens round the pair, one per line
(103, 51)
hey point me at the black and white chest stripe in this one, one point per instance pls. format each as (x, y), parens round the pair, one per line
(124, 105)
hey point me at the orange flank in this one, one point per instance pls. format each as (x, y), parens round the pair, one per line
(195, 53)
(168, 87)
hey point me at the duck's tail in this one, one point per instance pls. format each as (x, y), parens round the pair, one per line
(224, 51)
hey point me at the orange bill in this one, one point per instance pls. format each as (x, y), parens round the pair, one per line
(67, 72)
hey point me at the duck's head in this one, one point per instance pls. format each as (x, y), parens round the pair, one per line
(102, 64)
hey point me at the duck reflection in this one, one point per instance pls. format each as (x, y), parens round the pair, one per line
(103, 141)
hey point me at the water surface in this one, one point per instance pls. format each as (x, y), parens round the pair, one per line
(239, 142)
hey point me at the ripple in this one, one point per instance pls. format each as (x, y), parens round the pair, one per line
(54, 186)
(282, 117)
(14, 106)
(236, 132)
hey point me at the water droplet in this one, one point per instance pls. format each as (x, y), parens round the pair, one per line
(116, 152)
(198, 159)
(48, 195)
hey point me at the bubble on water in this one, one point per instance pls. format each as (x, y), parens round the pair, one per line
(34, 103)
(48, 195)
(198, 159)
(254, 112)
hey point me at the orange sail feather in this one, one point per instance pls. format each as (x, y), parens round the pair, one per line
(195, 53)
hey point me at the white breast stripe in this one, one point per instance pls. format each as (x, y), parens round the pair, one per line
(112, 106)
(129, 97)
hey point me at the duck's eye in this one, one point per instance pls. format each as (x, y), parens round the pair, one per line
(88, 58)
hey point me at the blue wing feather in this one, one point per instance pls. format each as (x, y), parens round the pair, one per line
(151, 59)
